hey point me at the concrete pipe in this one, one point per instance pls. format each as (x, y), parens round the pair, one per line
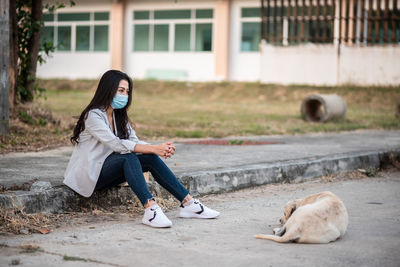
(322, 108)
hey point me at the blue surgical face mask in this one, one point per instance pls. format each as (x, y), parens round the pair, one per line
(119, 101)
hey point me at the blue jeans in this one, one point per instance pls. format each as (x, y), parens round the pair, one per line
(118, 168)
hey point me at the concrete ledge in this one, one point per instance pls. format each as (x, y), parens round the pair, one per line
(288, 171)
(60, 199)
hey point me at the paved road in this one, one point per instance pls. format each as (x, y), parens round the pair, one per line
(18, 168)
(372, 239)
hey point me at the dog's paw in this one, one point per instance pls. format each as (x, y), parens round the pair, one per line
(279, 231)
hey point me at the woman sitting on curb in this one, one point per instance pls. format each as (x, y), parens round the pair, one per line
(107, 152)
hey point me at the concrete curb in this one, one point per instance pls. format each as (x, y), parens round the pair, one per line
(60, 199)
(225, 180)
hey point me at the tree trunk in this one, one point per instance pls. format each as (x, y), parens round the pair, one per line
(4, 66)
(13, 53)
(33, 48)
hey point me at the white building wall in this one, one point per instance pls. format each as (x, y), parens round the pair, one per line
(199, 66)
(322, 65)
(82, 65)
(244, 66)
(79, 64)
(303, 64)
(376, 65)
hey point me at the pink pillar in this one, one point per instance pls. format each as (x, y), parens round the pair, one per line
(117, 34)
(222, 10)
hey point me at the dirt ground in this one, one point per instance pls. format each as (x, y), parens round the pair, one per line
(117, 238)
(33, 128)
(16, 222)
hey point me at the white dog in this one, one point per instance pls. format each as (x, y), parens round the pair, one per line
(318, 218)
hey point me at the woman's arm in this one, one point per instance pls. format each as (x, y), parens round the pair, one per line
(165, 150)
(96, 125)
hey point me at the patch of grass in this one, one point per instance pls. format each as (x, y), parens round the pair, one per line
(162, 109)
(235, 142)
(296, 131)
(73, 258)
(30, 249)
(190, 134)
(27, 118)
(33, 128)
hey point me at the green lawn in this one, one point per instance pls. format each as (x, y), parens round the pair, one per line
(180, 109)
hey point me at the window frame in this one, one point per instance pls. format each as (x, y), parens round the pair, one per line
(74, 24)
(192, 21)
(247, 20)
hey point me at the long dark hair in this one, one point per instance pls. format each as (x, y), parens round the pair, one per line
(106, 90)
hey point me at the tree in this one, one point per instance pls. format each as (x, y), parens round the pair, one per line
(29, 17)
(26, 23)
(4, 67)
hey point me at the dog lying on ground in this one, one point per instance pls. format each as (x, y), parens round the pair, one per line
(318, 218)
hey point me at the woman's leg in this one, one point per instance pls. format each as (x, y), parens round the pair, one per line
(118, 168)
(163, 175)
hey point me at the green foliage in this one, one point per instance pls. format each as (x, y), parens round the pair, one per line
(190, 134)
(235, 142)
(25, 117)
(27, 27)
(31, 249)
(73, 258)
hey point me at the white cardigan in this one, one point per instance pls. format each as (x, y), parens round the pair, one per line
(96, 143)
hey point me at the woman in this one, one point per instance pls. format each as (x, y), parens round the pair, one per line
(107, 152)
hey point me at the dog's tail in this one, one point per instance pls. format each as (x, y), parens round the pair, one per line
(279, 239)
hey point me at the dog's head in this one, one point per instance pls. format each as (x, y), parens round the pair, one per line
(290, 207)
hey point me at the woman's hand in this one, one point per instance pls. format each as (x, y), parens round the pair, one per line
(165, 150)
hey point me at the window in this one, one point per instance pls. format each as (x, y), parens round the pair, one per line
(47, 34)
(250, 36)
(100, 38)
(64, 38)
(291, 23)
(203, 36)
(182, 37)
(73, 16)
(172, 14)
(78, 31)
(142, 34)
(138, 15)
(161, 37)
(251, 33)
(375, 27)
(250, 12)
(360, 22)
(101, 16)
(204, 13)
(82, 38)
(172, 30)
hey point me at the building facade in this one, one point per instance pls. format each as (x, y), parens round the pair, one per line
(213, 40)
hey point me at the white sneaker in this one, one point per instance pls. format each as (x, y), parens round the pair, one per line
(197, 210)
(155, 217)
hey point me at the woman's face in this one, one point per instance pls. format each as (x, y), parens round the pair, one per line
(123, 87)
